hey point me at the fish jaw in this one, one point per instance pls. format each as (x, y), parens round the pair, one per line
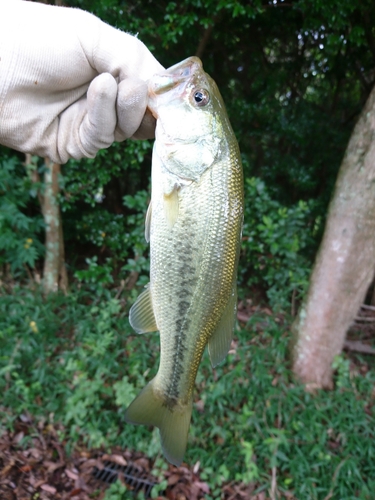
(176, 78)
(189, 134)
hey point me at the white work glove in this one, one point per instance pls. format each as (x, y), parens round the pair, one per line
(69, 83)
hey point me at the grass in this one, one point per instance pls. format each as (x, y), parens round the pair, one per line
(75, 361)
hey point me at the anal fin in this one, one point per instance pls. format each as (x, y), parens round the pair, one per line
(220, 341)
(141, 314)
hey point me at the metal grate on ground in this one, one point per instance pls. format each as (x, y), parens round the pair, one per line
(134, 476)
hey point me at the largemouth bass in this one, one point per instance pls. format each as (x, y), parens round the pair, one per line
(194, 225)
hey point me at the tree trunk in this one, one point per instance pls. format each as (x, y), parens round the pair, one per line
(63, 275)
(54, 273)
(345, 263)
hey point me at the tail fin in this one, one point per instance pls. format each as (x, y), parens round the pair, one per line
(149, 409)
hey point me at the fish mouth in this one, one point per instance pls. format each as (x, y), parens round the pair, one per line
(175, 75)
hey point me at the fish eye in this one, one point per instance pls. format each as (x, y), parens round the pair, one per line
(201, 97)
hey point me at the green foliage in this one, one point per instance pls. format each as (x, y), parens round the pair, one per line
(120, 236)
(182, 16)
(74, 360)
(96, 274)
(251, 473)
(276, 243)
(294, 79)
(104, 210)
(117, 491)
(19, 229)
(308, 439)
(84, 181)
(68, 357)
(136, 222)
(342, 367)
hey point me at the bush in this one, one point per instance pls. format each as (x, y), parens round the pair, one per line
(20, 224)
(75, 361)
(119, 236)
(277, 242)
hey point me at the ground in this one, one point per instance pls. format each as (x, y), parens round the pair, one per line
(36, 463)
(35, 466)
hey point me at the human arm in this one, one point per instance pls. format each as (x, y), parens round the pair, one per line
(69, 83)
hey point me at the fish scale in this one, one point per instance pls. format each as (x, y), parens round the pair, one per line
(194, 225)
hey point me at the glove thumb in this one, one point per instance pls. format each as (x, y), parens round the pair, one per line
(99, 123)
(88, 124)
(133, 118)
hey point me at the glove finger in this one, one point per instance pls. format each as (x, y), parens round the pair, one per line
(132, 101)
(112, 51)
(146, 129)
(98, 126)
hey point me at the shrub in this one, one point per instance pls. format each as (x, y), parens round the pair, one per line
(21, 224)
(276, 244)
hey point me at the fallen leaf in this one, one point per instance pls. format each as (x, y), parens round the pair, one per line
(75, 492)
(243, 317)
(180, 496)
(34, 452)
(71, 475)
(196, 467)
(117, 459)
(18, 437)
(199, 405)
(48, 488)
(26, 468)
(52, 466)
(142, 462)
(173, 479)
(202, 486)
(184, 470)
(92, 462)
(36, 484)
(7, 468)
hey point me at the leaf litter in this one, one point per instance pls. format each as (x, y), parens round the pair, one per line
(34, 465)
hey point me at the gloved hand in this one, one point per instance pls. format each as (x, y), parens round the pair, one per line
(69, 83)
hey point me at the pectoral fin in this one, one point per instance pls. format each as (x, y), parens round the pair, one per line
(171, 206)
(220, 341)
(141, 315)
(148, 223)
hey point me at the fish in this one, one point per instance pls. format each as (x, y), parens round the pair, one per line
(193, 224)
